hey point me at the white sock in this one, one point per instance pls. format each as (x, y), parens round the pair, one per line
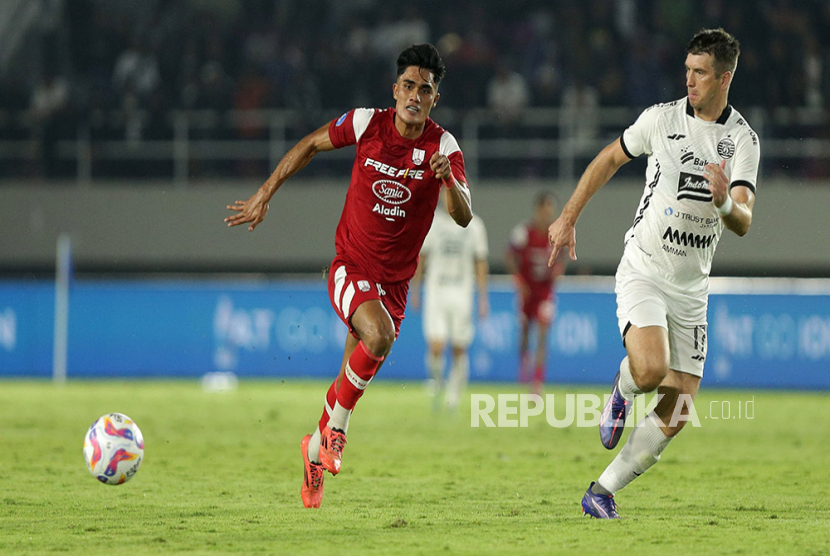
(436, 369)
(314, 447)
(339, 418)
(628, 388)
(457, 383)
(641, 451)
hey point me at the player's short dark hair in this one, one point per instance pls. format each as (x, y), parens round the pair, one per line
(718, 43)
(543, 197)
(423, 56)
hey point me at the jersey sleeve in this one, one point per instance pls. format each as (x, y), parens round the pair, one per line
(480, 248)
(518, 237)
(746, 161)
(449, 147)
(348, 128)
(636, 139)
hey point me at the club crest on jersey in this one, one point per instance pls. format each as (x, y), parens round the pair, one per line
(418, 156)
(363, 285)
(726, 148)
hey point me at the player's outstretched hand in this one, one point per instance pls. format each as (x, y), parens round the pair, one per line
(718, 182)
(561, 234)
(252, 211)
(440, 164)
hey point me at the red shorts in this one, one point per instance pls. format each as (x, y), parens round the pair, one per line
(539, 308)
(349, 287)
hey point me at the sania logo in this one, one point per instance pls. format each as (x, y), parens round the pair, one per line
(391, 192)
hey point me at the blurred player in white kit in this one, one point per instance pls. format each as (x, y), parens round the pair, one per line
(453, 266)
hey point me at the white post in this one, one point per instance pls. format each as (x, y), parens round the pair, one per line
(63, 264)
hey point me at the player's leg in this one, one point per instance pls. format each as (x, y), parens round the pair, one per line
(650, 437)
(643, 322)
(524, 353)
(544, 317)
(312, 489)
(648, 360)
(461, 331)
(436, 333)
(645, 443)
(459, 376)
(641, 371)
(331, 401)
(376, 332)
(435, 366)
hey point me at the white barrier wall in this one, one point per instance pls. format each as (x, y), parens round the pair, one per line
(155, 225)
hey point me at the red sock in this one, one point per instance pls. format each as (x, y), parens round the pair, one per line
(524, 367)
(360, 369)
(331, 397)
(539, 374)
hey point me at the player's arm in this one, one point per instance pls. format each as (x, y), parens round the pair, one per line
(482, 274)
(254, 209)
(415, 283)
(562, 233)
(459, 205)
(735, 205)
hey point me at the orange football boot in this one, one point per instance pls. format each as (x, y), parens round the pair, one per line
(332, 443)
(312, 490)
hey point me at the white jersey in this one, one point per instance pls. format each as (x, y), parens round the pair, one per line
(451, 254)
(677, 227)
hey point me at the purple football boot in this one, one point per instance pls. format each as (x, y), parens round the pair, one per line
(600, 506)
(612, 419)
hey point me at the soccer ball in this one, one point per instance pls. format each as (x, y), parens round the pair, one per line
(113, 449)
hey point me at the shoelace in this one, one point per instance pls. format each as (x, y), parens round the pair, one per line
(338, 442)
(316, 476)
(610, 506)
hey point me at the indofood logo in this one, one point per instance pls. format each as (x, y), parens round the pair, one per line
(391, 192)
(694, 187)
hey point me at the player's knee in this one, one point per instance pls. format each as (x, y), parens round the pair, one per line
(436, 348)
(649, 373)
(378, 339)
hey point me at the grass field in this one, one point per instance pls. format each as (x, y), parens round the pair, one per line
(222, 473)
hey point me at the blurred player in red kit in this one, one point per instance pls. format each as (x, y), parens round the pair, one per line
(527, 259)
(402, 160)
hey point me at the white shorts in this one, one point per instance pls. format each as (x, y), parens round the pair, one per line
(448, 318)
(642, 301)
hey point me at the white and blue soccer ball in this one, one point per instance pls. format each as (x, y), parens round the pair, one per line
(113, 449)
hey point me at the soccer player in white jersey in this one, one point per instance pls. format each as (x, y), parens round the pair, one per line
(453, 265)
(701, 178)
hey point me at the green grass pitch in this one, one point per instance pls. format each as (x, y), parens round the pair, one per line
(222, 474)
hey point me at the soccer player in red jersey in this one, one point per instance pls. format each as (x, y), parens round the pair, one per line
(402, 160)
(527, 259)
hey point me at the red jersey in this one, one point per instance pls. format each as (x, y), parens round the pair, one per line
(392, 194)
(532, 250)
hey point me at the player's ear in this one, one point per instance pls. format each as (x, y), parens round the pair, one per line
(395, 90)
(726, 79)
(435, 102)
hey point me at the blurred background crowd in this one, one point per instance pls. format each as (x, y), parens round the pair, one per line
(120, 70)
